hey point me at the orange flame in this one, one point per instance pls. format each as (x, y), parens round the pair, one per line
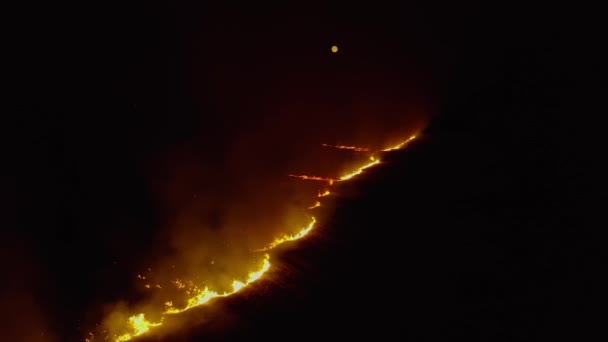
(359, 170)
(401, 145)
(324, 193)
(287, 238)
(316, 205)
(203, 296)
(314, 178)
(343, 147)
(139, 325)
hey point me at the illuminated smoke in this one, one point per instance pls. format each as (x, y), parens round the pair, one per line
(137, 324)
(205, 295)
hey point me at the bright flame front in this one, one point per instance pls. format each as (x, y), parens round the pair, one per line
(286, 238)
(205, 295)
(138, 324)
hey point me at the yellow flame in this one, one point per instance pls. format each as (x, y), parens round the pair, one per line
(359, 170)
(344, 147)
(315, 178)
(324, 193)
(316, 205)
(140, 325)
(396, 147)
(287, 238)
(205, 295)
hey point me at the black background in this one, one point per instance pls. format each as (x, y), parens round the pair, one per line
(479, 230)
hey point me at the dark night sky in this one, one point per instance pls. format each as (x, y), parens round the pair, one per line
(486, 235)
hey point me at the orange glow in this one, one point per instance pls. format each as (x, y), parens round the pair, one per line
(203, 296)
(343, 147)
(140, 325)
(287, 238)
(324, 193)
(401, 145)
(334, 49)
(314, 178)
(137, 324)
(316, 205)
(359, 170)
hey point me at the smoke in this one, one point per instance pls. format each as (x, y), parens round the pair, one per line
(220, 113)
(219, 106)
(225, 193)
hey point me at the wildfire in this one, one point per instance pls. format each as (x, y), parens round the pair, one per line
(401, 145)
(324, 193)
(316, 205)
(314, 178)
(343, 147)
(138, 324)
(205, 295)
(287, 238)
(359, 170)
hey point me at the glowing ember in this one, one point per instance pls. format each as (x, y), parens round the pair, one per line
(140, 325)
(314, 178)
(343, 147)
(316, 205)
(287, 238)
(324, 193)
(396, 147)
(359, 170)
(205, 295)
